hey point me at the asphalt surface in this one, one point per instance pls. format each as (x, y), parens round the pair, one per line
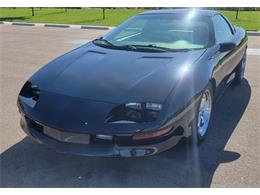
(229, 157)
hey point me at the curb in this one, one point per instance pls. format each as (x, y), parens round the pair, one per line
(96, 27)
(249, 33)
(253, 33)
(23, 24)
(58, 25)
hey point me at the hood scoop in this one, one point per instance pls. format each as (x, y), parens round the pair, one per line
(157, 57)
(96, 52)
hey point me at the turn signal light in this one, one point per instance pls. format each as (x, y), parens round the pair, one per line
(152, 134)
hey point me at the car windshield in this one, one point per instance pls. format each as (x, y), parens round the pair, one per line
(161, 31)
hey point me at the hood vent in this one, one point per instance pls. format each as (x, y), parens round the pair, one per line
(157, 57)
(98, 52)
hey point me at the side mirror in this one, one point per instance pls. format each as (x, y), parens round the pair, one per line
(99, 37)
(226, 46)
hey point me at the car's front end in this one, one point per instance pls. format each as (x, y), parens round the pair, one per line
(127, 139)
(97, 128)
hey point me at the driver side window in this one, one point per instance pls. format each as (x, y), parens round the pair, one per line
(222, 29)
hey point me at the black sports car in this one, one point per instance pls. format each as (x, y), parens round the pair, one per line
(137, 90)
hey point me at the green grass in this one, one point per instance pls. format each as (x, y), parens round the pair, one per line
(250, 20)
(90, 16)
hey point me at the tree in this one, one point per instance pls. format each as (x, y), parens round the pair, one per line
(32, 11)
(104, 16)
(237, 13)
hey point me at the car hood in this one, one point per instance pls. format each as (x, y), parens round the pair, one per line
(116, 76)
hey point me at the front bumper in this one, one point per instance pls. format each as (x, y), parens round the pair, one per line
(119, 145)
(101, 147)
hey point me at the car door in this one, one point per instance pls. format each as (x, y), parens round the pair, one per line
(226, 63)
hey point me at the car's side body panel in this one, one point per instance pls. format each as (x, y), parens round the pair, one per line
(225, 63)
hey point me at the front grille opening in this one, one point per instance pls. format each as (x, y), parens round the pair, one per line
(124, 140)
(178, 131)
(37, 126)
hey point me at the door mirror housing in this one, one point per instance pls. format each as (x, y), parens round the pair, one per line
(226, 46)
(99, 37)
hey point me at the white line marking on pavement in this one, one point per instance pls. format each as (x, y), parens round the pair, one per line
(253, 51)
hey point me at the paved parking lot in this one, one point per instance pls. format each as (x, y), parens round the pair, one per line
(229, 157)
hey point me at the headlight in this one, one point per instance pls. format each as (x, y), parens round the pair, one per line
(154, 106)
(30, 91)
(137, 106)
(134, 112)
(30, 94)
(150, 106)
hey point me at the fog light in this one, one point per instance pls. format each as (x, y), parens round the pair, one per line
(105, 137)
(152, 134)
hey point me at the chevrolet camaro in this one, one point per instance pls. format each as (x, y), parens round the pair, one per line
(137, 90)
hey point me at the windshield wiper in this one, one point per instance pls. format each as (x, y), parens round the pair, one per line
(106, 43)
(151, 47)
(158, 48)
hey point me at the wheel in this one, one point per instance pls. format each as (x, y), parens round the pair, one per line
(240, 70)
(202, 116)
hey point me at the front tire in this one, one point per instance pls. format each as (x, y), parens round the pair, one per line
(203, 115)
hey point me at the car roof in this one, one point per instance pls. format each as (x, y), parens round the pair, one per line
(201, 12)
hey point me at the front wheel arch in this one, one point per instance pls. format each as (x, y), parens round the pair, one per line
(214, 84)
(196, 137)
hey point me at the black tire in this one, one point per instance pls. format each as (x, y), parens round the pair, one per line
(240, 71)
(196, 136)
